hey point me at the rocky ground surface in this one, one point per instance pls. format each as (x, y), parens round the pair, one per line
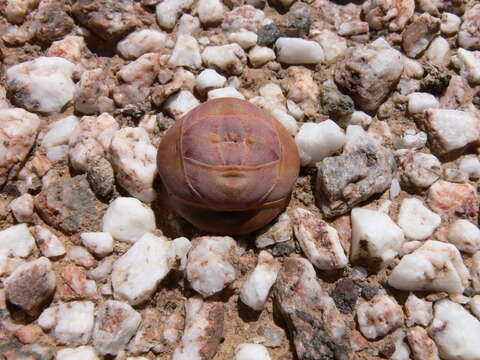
(377, 254)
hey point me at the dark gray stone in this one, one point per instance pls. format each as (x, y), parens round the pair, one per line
(316, 326)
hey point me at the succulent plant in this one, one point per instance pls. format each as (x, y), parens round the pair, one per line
(228, 166)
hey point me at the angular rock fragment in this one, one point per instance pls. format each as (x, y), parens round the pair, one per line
(99, 243)
(22, 208)
(376, 239)
(435, 266)
(47, 242)
(210, 264)
(109, 19)
(42, 85)
(51, 22)
(469, 35)
(168, 12)
(115, 324)
(186, 53)
(17, 241)
(365, 168)
(317, 141)
(31, 285)
(319, 241)
(18, 131)
(134, 159)
(455, 331)
(417, 170)
(451, 130)
(279, 232)
(416, 220)
(137, 273)
(127, 219)
(72, 322)
(92, 94)
(423, 347)
(203, 330)
(468, 62)
(379, 316)
(70, 206)
(210, 12)
(93, 141)
(141, 42)
(75, 285)
(465, 236)
(256, 288)
(369, 73)
(69, 48)
(314, 322)
(418, 311)
(137, 78)
(453, 199)
(381, 14)
(227, 58)
(418, 35)
(81, 352)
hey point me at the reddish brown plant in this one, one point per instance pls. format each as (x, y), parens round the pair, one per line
(228, 167)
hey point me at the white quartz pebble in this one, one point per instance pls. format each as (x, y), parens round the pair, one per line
(72, 322)
(319, 241)
(416, 220)
(470, 166)
(316, 141)
(298, 51)
(141, 42)
(134, 159)
(450, 23)
(228, 91)
(435, 266)
(209, 79)
(186, 53)
(455, 331)
(17, 241)
(229, 58)
(260, 55)
(43, 85)
(465, 236)
(246, 39)
(61, 132)
(255, 289)
(438, 53)
(181, 103)
(115, 324)
(127, 219)
(452, 130)
(182, 246)
(379, 316)
(210, 11)
(22, 208)
(374, 236)
(100, 243)
(48, 243)
(469, 64)
(418, 311)
(475, 306)
(137, 273)
(251, 352)
(168, 12)
(203, 330)
(210, 264)
(80, 256)
(417, 102)
(81, 352)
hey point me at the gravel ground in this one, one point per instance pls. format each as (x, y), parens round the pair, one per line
(377, 254)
